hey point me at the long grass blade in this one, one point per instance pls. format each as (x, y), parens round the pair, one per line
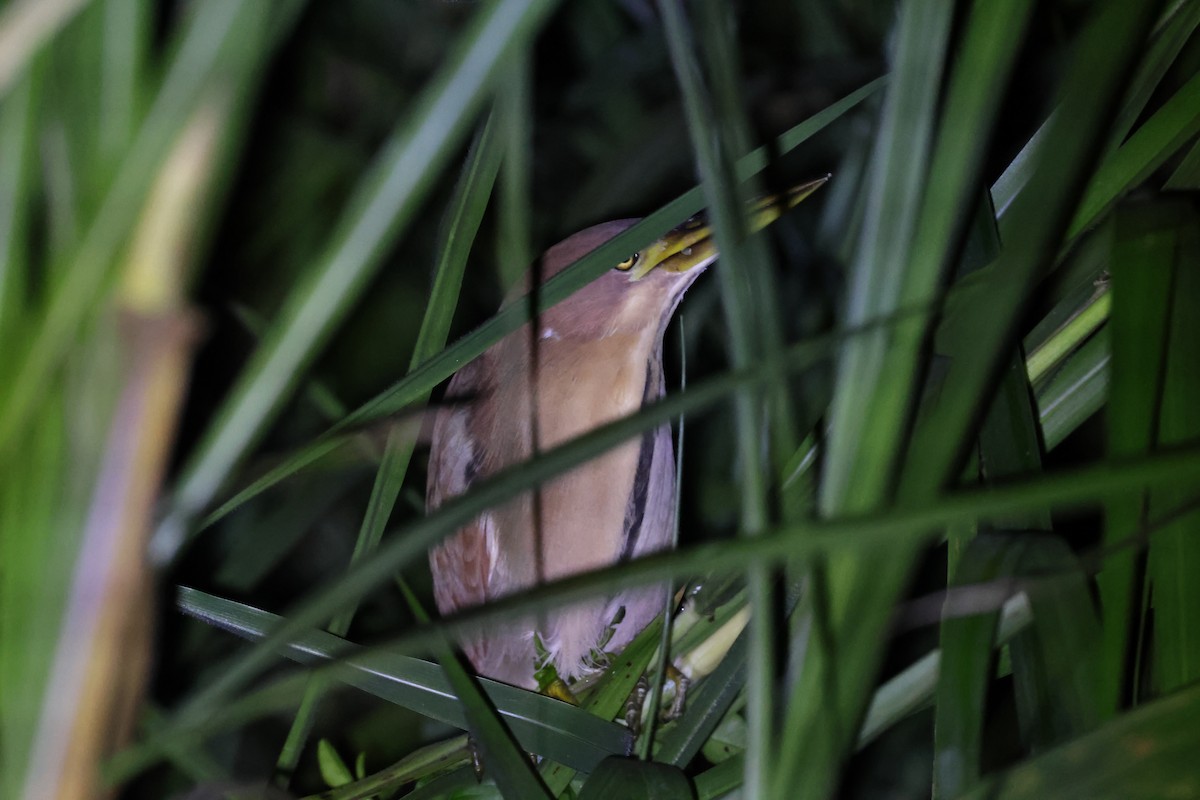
(1142, 274)
(544, 725)
(383, 205)
(423, 379)
(461, 224)
(1174, 557)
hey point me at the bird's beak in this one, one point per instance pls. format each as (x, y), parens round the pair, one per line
(692, 244)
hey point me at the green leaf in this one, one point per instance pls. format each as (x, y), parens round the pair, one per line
(1160, 137)
(1084, 322)
(27, 26)
(965, 664)
(1076, 391)
(923, 173)
(1040, 213)
(219, 41)
(1142, 266)
(17, 115)
(432, 759)
(459, 228)
(543, 725)
(1008, 441)
(1169, 39)
(418, 537)
(608, 697)
(384, 203)
(1057, 674)
(1174, 559)
(716, 144)
(1168, 42)
(422, 380)
(1145, 753)
(501, 756)
(513, 111)
(707, 705)
(334, 771)
(727, 739)
(864, 428)
(636, 780)
(1186, 176)
(1086, 485)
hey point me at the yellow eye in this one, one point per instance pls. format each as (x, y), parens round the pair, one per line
(628, 263)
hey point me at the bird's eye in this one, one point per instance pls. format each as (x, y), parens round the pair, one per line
(628, 263)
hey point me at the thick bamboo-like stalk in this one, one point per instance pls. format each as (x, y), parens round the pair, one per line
(104, 651)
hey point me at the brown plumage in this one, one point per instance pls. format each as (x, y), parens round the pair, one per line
(598, 357)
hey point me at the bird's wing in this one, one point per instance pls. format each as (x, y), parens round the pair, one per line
(463, 563)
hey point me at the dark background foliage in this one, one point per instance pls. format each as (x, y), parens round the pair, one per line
(593, 122)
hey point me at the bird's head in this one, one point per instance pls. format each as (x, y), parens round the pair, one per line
(643, 290)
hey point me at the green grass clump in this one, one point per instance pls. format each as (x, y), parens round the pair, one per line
(941, 429)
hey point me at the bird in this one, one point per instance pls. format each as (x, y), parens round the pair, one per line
(593, 358)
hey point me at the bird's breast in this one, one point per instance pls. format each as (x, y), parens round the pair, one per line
(579, 519)
(582, 387)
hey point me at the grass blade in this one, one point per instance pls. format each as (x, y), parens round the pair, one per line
(1141, 275)
(1174, 557)
(383, 205)
(461, 224)
(423, 379)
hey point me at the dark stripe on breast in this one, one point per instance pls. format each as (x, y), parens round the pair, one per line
(635, 512)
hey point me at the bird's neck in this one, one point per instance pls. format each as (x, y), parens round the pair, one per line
(581, 385)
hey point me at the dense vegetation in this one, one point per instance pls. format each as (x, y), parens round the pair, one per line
(940, 423)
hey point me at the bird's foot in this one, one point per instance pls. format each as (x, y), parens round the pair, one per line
(675, 687)
(477, 757)
(634, 704)
(476, 760)
(682, 684)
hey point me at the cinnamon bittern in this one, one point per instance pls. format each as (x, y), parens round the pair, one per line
(596, 357)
